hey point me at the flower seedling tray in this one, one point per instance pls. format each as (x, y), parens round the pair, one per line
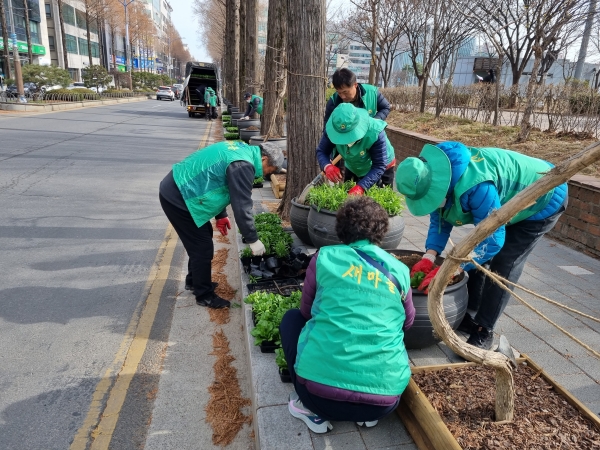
(268, 347)
(257, 185)
(284, 376)
(283, 287)
(536, 392)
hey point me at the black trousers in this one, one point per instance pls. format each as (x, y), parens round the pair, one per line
(291, 325)
(387, 179)
(485, 296)
(198, 243)
(210, 112)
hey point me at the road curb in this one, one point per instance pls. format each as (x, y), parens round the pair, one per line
(29, 107)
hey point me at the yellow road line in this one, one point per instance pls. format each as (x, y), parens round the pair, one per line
(130, 352)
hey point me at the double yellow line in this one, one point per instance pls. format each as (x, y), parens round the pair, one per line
(99, 424)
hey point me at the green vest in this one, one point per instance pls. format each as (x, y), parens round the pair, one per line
(202, 181)
(213, 98)
(511, 172)
(259, 109)
(369, 99)
(354, 339)
(358, 158)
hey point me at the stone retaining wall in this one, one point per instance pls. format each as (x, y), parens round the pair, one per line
(578, 226)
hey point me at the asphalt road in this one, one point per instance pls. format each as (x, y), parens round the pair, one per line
(80, 230)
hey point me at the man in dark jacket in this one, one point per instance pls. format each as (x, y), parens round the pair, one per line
(199, 188)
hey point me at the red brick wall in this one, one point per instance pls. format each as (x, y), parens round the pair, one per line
(578, 226)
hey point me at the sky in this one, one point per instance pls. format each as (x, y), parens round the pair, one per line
(185, 22)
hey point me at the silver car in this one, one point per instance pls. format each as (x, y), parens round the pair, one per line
(165, 92)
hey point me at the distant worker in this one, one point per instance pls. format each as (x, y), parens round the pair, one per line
(255, 105)
(210, 100)
(490, 78)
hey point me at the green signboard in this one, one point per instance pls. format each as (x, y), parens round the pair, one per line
(22, 47)
(121, 68)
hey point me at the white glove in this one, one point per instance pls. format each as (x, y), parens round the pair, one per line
(246, 117)
(258, 248)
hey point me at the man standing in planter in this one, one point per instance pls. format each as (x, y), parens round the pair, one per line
(210, 99)
(255, 105)
(458, 185)
(199, 188)
(361, 140)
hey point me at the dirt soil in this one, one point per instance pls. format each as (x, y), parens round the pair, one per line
(552, 147)
(465, 399)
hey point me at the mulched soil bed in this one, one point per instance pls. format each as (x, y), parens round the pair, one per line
(465, 398)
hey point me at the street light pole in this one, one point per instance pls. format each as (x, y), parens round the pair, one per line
(17, 61)
(125, 4)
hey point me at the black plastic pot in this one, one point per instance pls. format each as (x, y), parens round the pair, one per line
(284, 375)
(256, 260)
(321, 229)
(246, 261)
(299, 221)
(257, 185)
(272, 262)
(268, 347)
(237, 115)
(246, 134)
(456, 298)
(250, 123)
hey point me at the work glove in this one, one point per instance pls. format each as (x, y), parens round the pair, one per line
(356, 190)
(424, 286)
(425, 265)
(246, 117)
(223, 225)
(257, 248)
(333, 173)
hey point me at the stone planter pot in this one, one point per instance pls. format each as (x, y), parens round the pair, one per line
(232, 109)
(250, 123)
(456, 298)
(321, 229)
(299, 222)
(237, 115)
(246, 134)
(280, 142)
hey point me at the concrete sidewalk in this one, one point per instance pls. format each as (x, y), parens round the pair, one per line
(553, 270)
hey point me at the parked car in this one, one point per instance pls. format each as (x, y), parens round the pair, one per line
(165, 92)
(81, 85)
(178, 90)
(28, 88)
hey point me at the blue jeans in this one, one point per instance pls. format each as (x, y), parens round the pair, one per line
(291, 325)
(485, 296)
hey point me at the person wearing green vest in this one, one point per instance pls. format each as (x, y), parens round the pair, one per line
(200, 188)
(210, 100)
(344, 347)
(255, 105)
(458, 185)
(361, 140)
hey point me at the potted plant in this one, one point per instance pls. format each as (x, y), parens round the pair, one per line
(284, 373)
(299, 221)
(246, 257)
(325, 200)
(456, 298)
(258, 182)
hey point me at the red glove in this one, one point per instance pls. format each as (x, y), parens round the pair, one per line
(333, 173)
(356, 190)
(424, 266)
(223, 224)
(424, 286)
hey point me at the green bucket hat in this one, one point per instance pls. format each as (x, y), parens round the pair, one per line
(425, 180)
(347, 124)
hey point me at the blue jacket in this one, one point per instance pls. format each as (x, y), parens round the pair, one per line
(378, 154)
(481, 200)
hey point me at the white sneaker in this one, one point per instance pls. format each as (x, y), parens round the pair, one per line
(367, 424)
(314, 422)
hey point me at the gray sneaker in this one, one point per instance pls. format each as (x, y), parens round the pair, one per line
(312, 421)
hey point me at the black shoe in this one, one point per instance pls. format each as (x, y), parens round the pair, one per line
(482, 338)
(189, 287)
(468, 325)
(212, 300)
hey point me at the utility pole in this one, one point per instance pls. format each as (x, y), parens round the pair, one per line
(585, 40)
(125, 4)
(17, 61)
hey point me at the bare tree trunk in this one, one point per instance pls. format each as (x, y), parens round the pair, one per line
(232, 54)
(63, 35)
(424, 88)
(88, 36)
(28, 31)
(251, 46)
(306, 94)
(101, 34)
(372, 66)
(242, 57)
(435, 307)
(274, 68)
(497, 97)
(5, 54)
(531, 96)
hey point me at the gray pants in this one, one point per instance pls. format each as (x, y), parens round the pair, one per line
(485, 296)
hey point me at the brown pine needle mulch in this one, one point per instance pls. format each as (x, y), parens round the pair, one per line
(465, 399)
(224, 411)
(224, 290)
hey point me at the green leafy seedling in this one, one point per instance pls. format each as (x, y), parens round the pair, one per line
(280, 358)
(246, 253)
(417, 279)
